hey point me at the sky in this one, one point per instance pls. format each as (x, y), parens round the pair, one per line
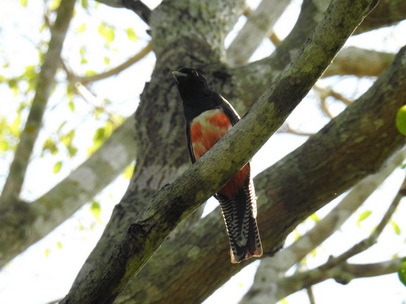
(46, 270)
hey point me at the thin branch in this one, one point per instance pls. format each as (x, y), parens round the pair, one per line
(310, 295)
(136, 6)
(371, 240)
(18, 168)
(114, 71)
(342, 274)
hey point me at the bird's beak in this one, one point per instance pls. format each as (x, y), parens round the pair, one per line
(178, 74)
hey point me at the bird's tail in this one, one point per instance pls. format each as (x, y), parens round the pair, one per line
(239, 214)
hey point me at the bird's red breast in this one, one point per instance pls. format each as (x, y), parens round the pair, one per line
(205, 131)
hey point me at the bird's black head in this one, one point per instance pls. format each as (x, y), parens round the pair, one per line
(190, 81)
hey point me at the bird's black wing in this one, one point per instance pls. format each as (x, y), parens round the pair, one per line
(189, 144)
(229, 110)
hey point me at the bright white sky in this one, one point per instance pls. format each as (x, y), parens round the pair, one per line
(45, 271)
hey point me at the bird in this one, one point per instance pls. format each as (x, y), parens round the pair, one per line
(209, 116)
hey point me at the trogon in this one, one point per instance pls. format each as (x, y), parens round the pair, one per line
(208, 117)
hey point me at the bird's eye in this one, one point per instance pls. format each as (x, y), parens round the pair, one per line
(194, 72)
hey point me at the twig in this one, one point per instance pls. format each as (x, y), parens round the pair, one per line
(136, 6)
(137, 57)
(372, 239)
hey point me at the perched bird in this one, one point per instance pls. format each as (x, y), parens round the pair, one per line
(208, 117)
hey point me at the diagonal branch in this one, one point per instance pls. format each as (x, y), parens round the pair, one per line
(137, 6)
(258, 26)
(137, 57)
(23, 226)
(176, 201)
(18, 168)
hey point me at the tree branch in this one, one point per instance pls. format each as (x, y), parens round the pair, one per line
(28, 137)
(359, 62)
(257, 27)
(114, 71)
(177, 200)
(386, 13)
(137, 6)
(342, 273)
(23, 226)
(271, 270)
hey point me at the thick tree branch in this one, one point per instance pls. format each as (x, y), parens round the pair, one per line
(386, 13)
(28, 137)
(21, 227)
(177, 200)
(359, 62)
(336, 158)
(257, 27)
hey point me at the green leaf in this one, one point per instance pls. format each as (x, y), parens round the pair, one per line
(131, 34)
(50, 145)
(59, 245)
(106, 60)
(57, 167)
(90, 73)
(314, 218)
(364, 215)
(71, 105)
(107, 32)
(15, 127)
(81, 28)
(84, 3)
(401, 120)
(395, 227)
(4, 146)
(67, 138)
(47, 252)
(96, 210)
(55, 4)
(23, 2)
(402, 272)
(128, 172)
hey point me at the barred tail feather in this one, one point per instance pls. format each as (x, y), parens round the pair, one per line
(239, 213)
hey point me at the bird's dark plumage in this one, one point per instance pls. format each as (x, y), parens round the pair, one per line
(208, 117)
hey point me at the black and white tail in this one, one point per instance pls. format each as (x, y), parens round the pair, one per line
(239, 213)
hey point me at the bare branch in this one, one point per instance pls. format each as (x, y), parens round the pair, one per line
(386, 13)
(359, 62)
(28, 137)
(258, 26)
(291, 255)
(23, 226)
(136, 6)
